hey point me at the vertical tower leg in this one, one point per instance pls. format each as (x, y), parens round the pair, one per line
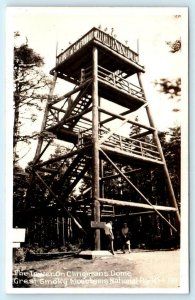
(95, 167)
(101, 160)
(165, 169)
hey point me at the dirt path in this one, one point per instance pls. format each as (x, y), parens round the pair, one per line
(139, 269)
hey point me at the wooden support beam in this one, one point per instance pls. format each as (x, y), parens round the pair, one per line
(84, 192)
(69, 110)
(53, 114)
(86, 119)
(123, 118)
(137, 213)
(139, 135)
(58, 109)
(142, 213)
(137, 190)
(65, 156)
(76, 116)
(102, 187)
(80, 114)
(111, 132)
(136, 205)
(66, 77)
(42, 152)
(112, 118)
(75, 90)
(95, 134)
(165, 169)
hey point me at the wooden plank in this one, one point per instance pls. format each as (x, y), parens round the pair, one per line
(95, 224)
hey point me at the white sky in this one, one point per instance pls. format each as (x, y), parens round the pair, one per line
(151, 26)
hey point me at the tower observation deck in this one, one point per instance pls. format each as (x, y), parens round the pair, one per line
(107, 93)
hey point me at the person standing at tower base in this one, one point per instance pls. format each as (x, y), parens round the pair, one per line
(125, 238)
(109, 236)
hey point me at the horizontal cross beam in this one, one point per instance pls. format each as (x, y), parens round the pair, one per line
(136, 205)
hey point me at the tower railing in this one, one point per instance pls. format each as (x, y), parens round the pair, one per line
(104, 38)
(124, 144)
(114, 79)
(131, 145)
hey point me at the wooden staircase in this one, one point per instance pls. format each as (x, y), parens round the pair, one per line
(73, 174)
(82, 102)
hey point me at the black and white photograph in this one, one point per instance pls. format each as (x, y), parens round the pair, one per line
(97, 149)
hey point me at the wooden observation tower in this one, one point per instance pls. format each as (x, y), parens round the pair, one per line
(97, 116)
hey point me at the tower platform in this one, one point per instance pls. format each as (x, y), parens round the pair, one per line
(113, 55)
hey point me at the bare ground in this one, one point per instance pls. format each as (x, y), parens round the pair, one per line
(139, 269)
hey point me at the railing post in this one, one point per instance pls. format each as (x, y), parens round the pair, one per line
(95, 34)
(114, 79)
(120, 139)
(141, 148)
(129, 88)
